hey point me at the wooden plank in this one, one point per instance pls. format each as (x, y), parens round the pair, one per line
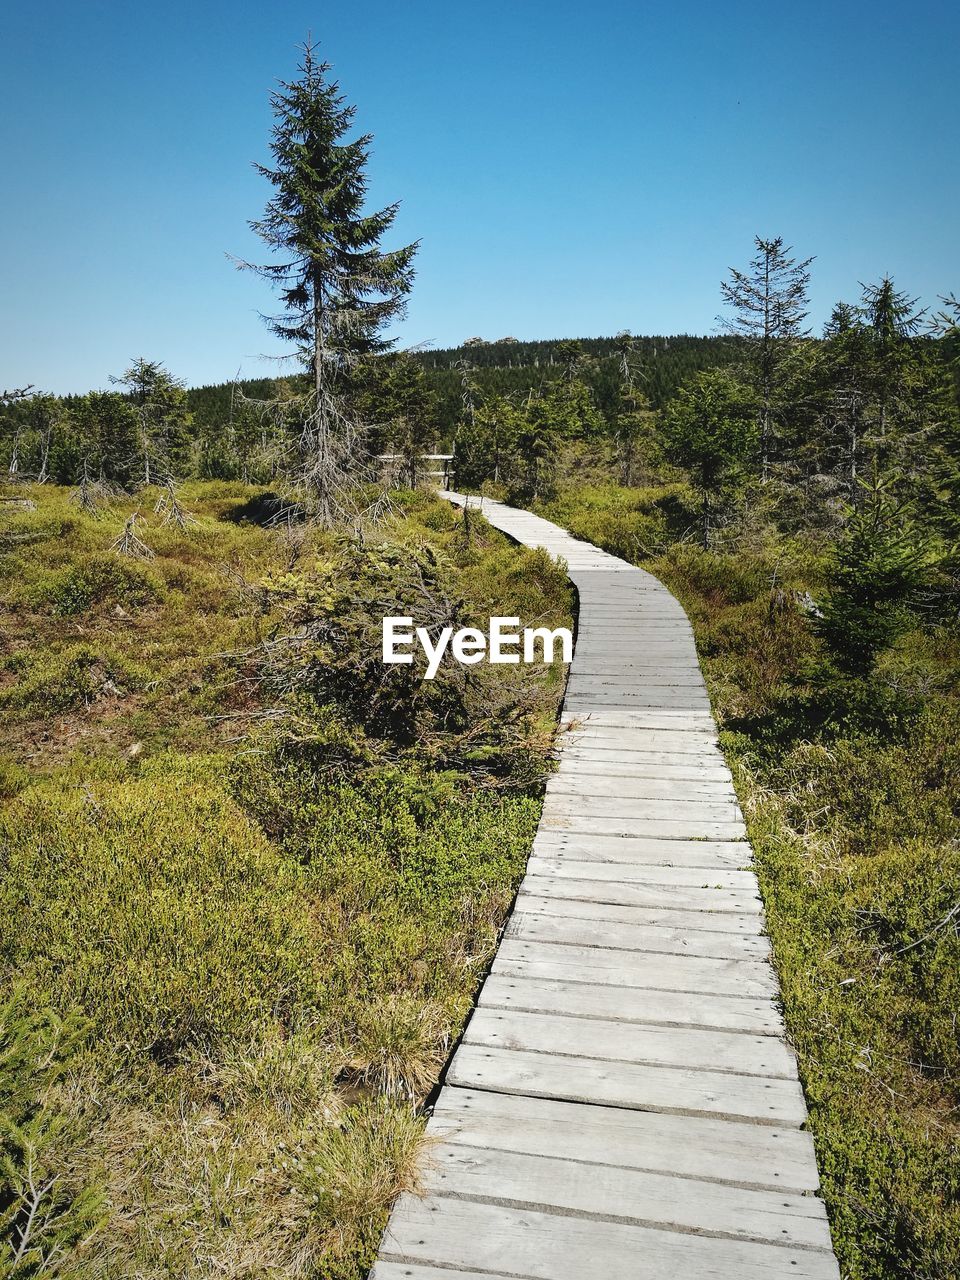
(570, 782)
(595, 755)
(627, 1195)
(668, 871)
(648, 729)
(600, 673)
(558, 803)
(669, 829)
(668, 683)
(612, 856)
(623, 877)
(638, 763)
(536, 1245)
(625, 742)
(750, 1155)
(610, 1040)
(641, 718)
(686, 696)
(652, 652)
(720, 914)
(654, 691)
(709, 905)
(636, 635)
(587, 699)
(631, 1004)
(746, 978)
(647, 1086)
(656, 939)
(383, 1270)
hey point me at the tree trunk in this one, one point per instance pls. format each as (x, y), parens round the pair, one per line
(14, 468)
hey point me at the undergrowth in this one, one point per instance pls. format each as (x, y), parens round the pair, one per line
(849, 784)
(257, 906)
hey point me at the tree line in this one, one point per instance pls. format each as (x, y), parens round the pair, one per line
(763, 410)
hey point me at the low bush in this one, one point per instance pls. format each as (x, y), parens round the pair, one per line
(78, 675)
(97, 579)
(269, 906)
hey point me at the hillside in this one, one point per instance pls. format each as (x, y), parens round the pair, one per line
(501, 368)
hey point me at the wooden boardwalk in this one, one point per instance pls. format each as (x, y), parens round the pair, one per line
(624, 1104)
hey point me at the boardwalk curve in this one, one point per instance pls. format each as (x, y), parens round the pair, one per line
(624, 1103)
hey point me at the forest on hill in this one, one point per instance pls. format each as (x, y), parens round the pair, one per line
(517, 369)
(253, 878)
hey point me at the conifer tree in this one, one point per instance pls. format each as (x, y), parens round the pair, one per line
(337, 286)
(401, 408)
(769, 304)
(634, 421)
(879, 565)
(892, 322)
(710, 429)
(163, 419)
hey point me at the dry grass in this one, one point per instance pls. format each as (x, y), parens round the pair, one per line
(274, 940)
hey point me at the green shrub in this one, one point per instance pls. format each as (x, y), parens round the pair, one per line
(157, 908)
(96, 580)
(79, 674)
(880, 563)
(44, 1213)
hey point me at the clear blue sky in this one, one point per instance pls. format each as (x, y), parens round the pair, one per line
(572, 169)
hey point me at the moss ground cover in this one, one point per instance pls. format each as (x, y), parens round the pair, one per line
(244, 911)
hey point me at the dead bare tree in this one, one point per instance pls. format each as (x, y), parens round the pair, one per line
(129, 543)
(87, 492)
(170, 508)
(11, 397)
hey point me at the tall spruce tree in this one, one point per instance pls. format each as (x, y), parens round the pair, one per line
(337, 287)
(769, 303)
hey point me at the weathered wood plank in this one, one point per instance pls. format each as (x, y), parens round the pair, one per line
(648, 729)
(609, 1040)
(573, 855)
(746, 978)
(594, 757)
(716, 915)
(570, 782)
(627, 1195)
(677, 696)
(624, 876)
(665, 870)
(564, 804)
(624, 740)
(647, 1086)
(656, 939)
(670, 829)
(536, 1245)
(631, 1004)
(576, 762)
(686, 1146)
(415, 1271)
